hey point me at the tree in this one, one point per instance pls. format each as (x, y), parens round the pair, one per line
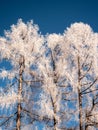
(82, 44)
(57, 86)
(51, 76)
(20, 47)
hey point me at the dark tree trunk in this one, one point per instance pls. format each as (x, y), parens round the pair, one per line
(79, 97)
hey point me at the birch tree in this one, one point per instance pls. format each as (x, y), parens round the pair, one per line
(20, 47)
(82, 42)
(57, 87)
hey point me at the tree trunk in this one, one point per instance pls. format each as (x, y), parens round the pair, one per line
(79, 97)
(19, 107)
(52, 99)
(80, 110)
(54, 110)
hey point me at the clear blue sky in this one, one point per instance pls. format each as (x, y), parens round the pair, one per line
(50, 15)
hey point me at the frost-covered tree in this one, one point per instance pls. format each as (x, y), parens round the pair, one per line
(20, 48)
(81, 43)
(51, 77)
(57, 84)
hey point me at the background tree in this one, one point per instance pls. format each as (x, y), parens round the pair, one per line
(58, 90)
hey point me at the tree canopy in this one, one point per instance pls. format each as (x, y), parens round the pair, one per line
(49, 82)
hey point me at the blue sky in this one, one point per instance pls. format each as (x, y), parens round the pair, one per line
(52, 16)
